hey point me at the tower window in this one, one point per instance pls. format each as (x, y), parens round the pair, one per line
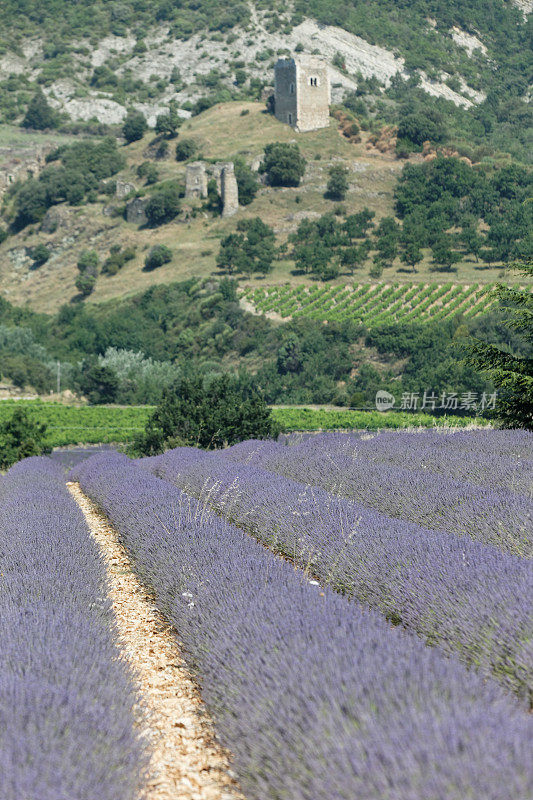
(313, 81)
(290, 119)
(292, 88)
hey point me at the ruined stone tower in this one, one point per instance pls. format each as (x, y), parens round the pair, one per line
(302, 92)
(229, 190)
(196, 180)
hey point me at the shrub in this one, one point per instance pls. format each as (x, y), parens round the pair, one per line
(40, 255)
(149, 172)
(20, 437)
(283, 164)
(163, 206)
(88, 262)
(159, 254)
(134, 127)
(185, 149)
(85, 284)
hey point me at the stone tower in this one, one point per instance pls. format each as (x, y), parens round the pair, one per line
(196, 180)
(229, 190)
(302, 92)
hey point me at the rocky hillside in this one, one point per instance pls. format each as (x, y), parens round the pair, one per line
(406, 82)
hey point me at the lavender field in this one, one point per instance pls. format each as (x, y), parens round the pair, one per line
(355, 609)
(67, 722)
(316, 697)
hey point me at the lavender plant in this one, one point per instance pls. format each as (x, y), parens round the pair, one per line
(341, 465)
(468, 598)
(317, 698)
(67, 725)
(500, 459)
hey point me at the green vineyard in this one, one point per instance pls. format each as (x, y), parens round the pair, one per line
(372, 304)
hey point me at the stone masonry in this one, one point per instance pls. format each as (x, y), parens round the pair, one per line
(302, 92)
(196, 180)
(229, 191)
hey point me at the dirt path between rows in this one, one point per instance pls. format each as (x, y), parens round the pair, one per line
(187, 763)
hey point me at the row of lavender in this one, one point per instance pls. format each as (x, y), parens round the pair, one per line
(317, 698)
(66, 699)
(468, 598)
(502, 459)
(341, 464)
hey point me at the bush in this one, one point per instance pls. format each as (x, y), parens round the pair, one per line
(117, 259)
(134, 127)
(224, 410)
(185, 149)
(88, 262)
(148, 171)
(421, 126)
(40, 255)
(159, 254)
(85, 284)
(283, 164)
(163, 206)
(20, 437)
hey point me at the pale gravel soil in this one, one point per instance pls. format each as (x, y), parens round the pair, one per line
(187, 763)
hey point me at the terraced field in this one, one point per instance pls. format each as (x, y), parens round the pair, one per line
(371, 304)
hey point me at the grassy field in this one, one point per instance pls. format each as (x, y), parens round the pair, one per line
(73, 425)
(69, 425)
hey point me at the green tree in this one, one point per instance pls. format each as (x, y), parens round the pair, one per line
(246, 182)
(411, 255)
(250, 250)
(163, 206)
(207, 413)
(168, 123)
(356, 225)
(443, 255)
(31, 203)
(283, 164)
(40, 115)
(511, 374)
(289, 357)
(337, 183)
(98, 383)
(134, 126)
(185, 149)
(20, 437)
(421, 125)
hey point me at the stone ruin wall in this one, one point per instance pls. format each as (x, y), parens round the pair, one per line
(17, 163)
(303, 93)
(224, 175)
